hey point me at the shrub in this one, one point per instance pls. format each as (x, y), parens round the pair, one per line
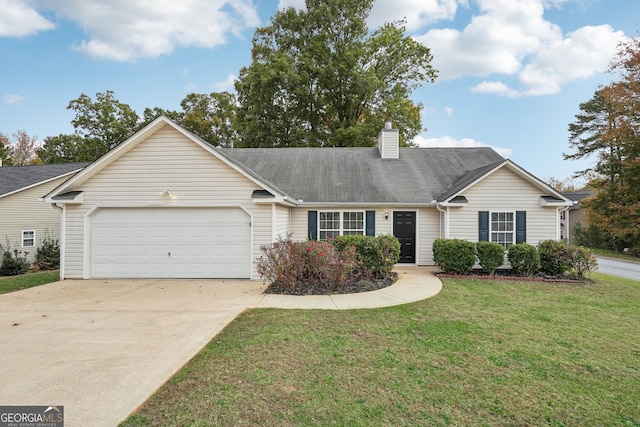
(490, 255)
(14, 262)
(454, 255)
(555, 257)
(48, 254)
(376, 256)
(582, 261)
(298, 267)
(524, 259)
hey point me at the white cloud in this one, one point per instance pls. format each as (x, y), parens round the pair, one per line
(13, 98)
(191, 87)
(512, 38)
(122, 30)
(447, 141)
(18, 19)
(448, 111)
(417, 13)
(225, 85)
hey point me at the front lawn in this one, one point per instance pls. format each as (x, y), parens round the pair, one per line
(29, 280)
(479, 353)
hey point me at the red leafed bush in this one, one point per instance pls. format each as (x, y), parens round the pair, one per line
(306, 267)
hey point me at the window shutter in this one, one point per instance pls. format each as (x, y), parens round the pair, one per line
(521, 226)
(483, 226)
(371, 223)
(312, 223)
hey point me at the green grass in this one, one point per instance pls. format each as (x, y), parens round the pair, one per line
(479, 353)
(29, 280)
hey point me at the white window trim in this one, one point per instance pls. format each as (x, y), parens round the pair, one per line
(28, 238)
(341, 222)
(513, 232)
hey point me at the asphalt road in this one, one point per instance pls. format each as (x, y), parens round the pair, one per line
(614, 267)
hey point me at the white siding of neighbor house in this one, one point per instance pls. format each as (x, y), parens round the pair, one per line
(167, 159)
(23, 211)
(427, 227)
(504, 191)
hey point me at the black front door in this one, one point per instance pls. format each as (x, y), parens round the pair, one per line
(404, 228)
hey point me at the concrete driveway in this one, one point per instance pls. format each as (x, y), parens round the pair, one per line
(100, 348)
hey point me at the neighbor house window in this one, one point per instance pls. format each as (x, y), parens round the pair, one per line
(334, 224)
(28, 238)
(502, 228)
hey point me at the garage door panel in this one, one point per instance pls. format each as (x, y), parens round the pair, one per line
(171, 242)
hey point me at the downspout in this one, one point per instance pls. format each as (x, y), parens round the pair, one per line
(446, 220)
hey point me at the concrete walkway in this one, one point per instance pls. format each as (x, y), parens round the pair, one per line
(101, 348)
(414, 284)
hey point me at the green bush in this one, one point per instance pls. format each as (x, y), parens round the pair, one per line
(48, 254)
(555, 257)
(455, 256)
(490, 256)
(524, 259)
(582, 261)
(14, 262)
(376, 255)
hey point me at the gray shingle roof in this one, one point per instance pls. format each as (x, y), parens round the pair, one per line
(359, 175)
(13, 178)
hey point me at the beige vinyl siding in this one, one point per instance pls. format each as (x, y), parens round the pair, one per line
(167, 159)
(428, 231)
(74, 241)
(504, 191)
(23, 211)
(282, 221)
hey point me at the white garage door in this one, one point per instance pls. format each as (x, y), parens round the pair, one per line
(171, 243)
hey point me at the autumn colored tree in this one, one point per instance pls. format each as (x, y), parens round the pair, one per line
(608, 128)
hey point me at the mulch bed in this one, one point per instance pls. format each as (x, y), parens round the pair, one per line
(354, 287)
(511, 276)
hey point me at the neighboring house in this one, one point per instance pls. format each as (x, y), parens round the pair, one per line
(574, 215)
(25, 220)
(166, 204)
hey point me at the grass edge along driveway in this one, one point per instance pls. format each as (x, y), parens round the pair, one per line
(479, 353)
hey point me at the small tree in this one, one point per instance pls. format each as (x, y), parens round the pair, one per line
(48, 254)
(14, 262)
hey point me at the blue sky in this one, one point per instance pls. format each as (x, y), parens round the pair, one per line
(512, 73)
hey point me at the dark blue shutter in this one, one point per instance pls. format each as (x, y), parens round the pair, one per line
(371, 223)
(313, 225)
(483, 226)
(521, 226)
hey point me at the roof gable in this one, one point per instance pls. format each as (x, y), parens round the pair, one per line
(475, 176)
(137, 140)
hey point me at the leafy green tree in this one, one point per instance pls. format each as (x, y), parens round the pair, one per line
(103, 123)
(66, 148)
(211, 117)
(318, 77)
(608, 128)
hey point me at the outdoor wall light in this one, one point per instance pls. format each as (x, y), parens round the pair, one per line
(386, 215)
(167, 192)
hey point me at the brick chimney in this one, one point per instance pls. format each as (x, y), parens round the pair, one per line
(389, 141)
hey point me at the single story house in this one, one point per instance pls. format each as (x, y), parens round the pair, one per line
(25, 220)
(165, 204)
